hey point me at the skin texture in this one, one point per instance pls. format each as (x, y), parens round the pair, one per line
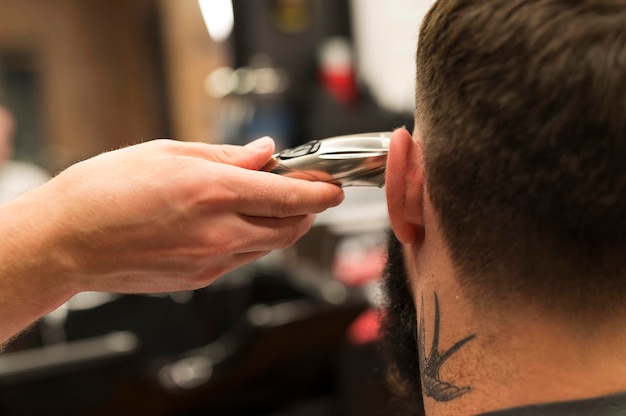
(155, 217)
(472, 359)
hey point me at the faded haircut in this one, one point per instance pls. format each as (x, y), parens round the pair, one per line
(522, 108)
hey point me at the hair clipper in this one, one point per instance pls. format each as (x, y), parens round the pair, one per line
(352, 160)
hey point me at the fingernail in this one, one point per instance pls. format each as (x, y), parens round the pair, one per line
(260, 144)
(338, 200)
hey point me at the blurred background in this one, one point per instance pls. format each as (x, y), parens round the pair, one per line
(292, 334)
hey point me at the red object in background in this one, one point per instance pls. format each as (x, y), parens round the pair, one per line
(336, 69)
(358, 267)
(360, 261)
(365, 329)
(341, 84)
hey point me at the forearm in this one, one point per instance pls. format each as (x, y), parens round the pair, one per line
(32, 278)
(161, 216)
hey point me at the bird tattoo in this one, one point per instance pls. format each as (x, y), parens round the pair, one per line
(432, 384)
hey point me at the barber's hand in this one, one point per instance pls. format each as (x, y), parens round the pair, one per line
(167, 215)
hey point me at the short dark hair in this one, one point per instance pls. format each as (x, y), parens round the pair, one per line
(522, 109)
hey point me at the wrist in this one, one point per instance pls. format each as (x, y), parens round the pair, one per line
(36, 272)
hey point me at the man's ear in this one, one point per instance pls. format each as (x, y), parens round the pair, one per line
(404, 186)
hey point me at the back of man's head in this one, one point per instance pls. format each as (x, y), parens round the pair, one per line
(522, 108)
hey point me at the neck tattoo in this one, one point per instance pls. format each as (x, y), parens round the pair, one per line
(432, 384)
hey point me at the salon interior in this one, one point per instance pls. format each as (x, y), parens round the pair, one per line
(292, 334)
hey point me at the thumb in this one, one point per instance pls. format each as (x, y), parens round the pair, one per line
(253, 155)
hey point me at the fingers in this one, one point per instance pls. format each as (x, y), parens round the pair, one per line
(262, 194)
(272, 233)
(213, 271)
(252, 156)
(242, 234)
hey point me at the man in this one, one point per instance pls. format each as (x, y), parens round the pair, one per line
(161, 216)
(509, 201)
(16, 177)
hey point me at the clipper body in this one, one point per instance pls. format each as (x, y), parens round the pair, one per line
(352, 160)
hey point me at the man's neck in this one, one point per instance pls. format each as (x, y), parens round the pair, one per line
(473, 361)
(472, 364)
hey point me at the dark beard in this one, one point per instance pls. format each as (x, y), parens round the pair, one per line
(399, 333)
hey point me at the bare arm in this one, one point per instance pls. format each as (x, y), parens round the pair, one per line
(156, 217)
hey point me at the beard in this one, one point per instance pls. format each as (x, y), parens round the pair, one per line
(399, 333)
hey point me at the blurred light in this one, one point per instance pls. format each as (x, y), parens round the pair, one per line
(220, 83)
(225, 81)
(218, 18)
(187, 373)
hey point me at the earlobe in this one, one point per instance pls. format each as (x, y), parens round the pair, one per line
(404, 186)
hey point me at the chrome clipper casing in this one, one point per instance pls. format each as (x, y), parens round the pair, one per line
(352, 160)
